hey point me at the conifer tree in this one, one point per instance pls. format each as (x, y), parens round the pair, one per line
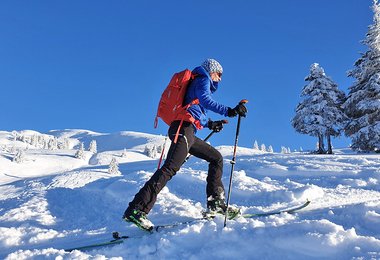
(113, 167)
(255, 145)
(34, 140)
(53, 144)
(150, 151)
(66, 142)
(93, 147)
(284, 150)
(15, 135)
(19, 157)
(320, 112)
(80, 153)
(363, 102)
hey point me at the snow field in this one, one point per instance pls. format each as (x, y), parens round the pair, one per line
(54, 201)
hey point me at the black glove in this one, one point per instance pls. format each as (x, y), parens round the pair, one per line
(240, 109)
(215, 126)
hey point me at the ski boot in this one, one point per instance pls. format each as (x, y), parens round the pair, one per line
(138, 218)
(217, 206)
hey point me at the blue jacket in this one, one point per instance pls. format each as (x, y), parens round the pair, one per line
(202, 88)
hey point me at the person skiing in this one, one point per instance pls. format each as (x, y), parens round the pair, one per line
(208, 76)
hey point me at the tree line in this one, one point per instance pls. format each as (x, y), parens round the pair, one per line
(325, 111)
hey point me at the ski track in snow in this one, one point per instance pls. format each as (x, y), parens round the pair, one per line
(54, 201)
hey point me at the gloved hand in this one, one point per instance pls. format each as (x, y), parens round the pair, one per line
(215, 126)
(240, 109)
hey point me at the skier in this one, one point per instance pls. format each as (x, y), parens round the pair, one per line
(208, 75)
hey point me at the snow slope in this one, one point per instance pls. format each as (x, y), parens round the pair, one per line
(53, 201)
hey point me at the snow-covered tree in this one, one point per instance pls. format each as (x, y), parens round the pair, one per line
(263, 148)
(19, 157)
(160, 148)
(80, 152)
(284, 150)
(12, 149)
(113, 167)
(93, 147)
(150, 151)
(66, 143)
(320, 112)
(124, 154)
(23, 138)
(61, 144)
(34, 140)
(270, 149)
(363, 101)
(15, 135)
(255, 145)
(53, 144)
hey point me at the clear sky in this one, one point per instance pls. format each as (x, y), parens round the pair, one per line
(102, 65)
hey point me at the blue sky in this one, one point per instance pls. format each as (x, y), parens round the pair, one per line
(102, 65)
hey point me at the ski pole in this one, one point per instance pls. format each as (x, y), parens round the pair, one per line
(233, 162)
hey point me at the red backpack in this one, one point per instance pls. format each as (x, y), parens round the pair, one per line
(170, 107)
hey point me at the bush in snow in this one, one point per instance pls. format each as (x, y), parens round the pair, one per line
(19, 157)
(93, 147)
(320, 112)
(80, 153)
(113, 167)
(363, 102)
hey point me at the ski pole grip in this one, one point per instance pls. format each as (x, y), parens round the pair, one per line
(243, 101)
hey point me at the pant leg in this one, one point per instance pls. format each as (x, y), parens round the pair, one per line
(203, 150)
(147, 196)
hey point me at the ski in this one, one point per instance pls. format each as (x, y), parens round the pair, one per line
(117, 239)
(289, 211)
(253, 215)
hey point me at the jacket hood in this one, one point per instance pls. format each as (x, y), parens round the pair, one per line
(200, 71)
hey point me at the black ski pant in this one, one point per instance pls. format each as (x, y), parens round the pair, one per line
(187, 143)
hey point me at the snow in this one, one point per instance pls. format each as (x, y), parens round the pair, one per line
(52, 201)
